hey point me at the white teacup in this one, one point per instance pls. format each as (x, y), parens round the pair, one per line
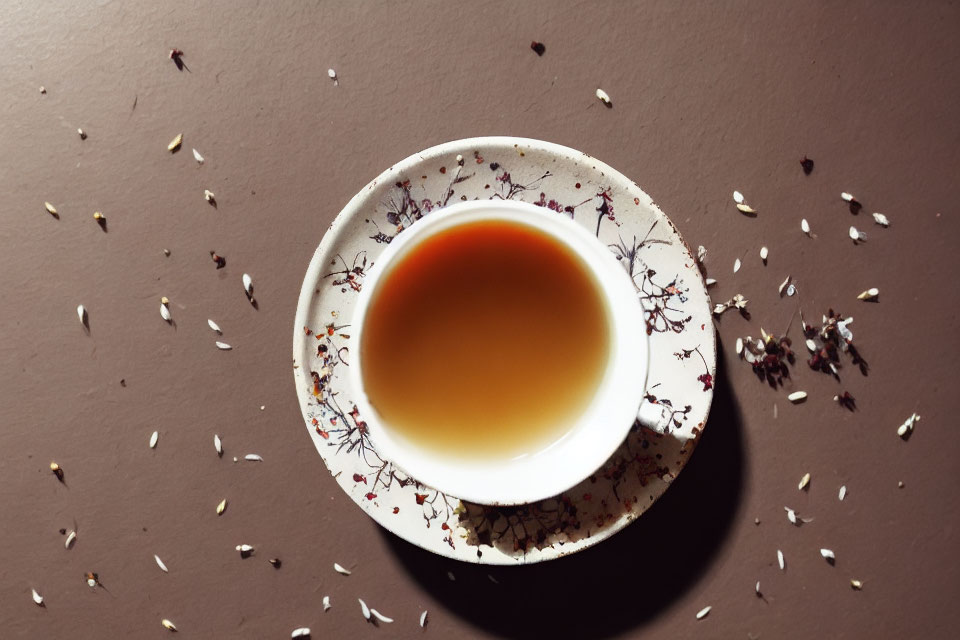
(595, 434)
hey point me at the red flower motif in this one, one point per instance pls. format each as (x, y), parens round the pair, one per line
(359, 478)
(420, 497)
(371, 496)
(707, 381)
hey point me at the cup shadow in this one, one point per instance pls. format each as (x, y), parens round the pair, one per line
(622, 583)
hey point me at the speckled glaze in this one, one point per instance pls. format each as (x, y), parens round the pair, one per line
(677, 319)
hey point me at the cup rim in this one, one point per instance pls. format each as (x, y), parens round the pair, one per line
(600, 429)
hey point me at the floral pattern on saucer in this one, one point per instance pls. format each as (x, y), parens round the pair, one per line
(677, 320)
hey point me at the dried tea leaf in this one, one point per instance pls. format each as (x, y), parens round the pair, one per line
(780, 560)
(736, 265)
(175, 143)
(218, 445)
(703, 613)
(221, 507)
(341, 570)
(223, 346)
(364, 609)
(153, 439)
(843, 493)
(738, 197)
(160, 564)
(253, 457)
(213, 325)
(379, 616)
(423, 619)
(797, 397)
(197, 156)
(326, 603)
(804, 482)
(38, 599)
(603, 97)
(869, 294)
(168, 625)
(881, 219)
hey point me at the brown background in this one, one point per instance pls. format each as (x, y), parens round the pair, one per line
(707, 98)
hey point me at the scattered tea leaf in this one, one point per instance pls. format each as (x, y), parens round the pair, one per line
(160, 564)
(703, 613)
(807, 164)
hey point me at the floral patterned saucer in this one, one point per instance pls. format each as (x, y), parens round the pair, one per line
(678, 322)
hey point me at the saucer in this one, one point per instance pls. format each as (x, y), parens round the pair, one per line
(677, 314)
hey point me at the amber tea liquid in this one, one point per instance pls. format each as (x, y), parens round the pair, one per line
(487, 339)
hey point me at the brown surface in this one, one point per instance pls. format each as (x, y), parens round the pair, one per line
(705, 100)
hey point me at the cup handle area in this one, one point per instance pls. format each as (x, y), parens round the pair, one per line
(653, 416)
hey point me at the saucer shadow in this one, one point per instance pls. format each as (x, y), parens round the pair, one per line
(622, 583)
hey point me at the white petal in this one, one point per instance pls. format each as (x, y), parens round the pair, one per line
(379, 616)
(843, 492)
(160, 564)
(253, 457)
(82, 314)
(208, 195)
(332, 73)
(854, 234)
(811, 346)
(764, 252)
(703, 613)
(217, 444)
(804, 482)
(168, 625)
(302, 632)
(827, 554)
(223, 346)
(602, 96)
(364, 609)
(197, 156)
(71, 539)
(341, 570)
(780, 560)
(738, 346)
(881, 219)
(213, 325)
(423, 619)
(153, 439)
(783, 286)
(797, 396)
(745, 208)
(38, 599)
(736, 265)
(869, 294)
(165, 312)
(710, 282)
(738, 197)
(326, 603)
(847, 197)
(805, 226)
(248, 284)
